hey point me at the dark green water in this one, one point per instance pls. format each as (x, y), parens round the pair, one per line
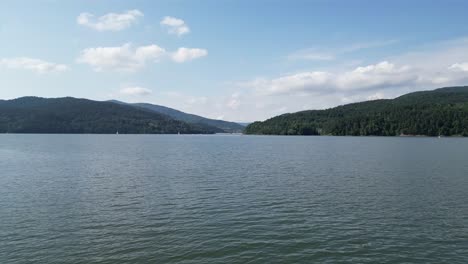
(232, 199)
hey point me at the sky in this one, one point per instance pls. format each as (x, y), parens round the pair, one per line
(237, 60)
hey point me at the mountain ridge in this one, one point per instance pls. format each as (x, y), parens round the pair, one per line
(226, 126)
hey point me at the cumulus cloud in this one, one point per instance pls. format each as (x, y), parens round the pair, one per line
(187, 54)
(35, 65)
(135, 91)
(459, 67)
(130, 58)
(111, 21)
(383, 74)
(175, 26)
(122, 58)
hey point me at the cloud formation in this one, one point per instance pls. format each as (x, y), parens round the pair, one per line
(175, 26)
(135, 91)
(383, 74)
(129, 58)
(35, 65)
(111, 21)
(122, 58)
(459, 67)
(380, 75)
(187, 54)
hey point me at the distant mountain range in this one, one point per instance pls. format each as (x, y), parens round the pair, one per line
(72, 115)
(228, 127)
(442, 112)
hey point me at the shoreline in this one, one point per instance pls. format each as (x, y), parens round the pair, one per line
(238, 134)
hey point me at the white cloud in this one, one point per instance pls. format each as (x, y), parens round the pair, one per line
(383, 74)
(123, 58)
(187, 54)
(111, 21)
(459, 67)
(129, 58)
(36, 65)
(234, 101)
(135, 91)
(175, 26)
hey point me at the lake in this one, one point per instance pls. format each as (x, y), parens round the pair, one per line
(232, 199)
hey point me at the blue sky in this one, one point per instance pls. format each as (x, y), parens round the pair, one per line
(233, 60)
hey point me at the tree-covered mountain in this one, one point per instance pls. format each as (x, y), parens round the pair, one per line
(228, 127)
(439, 112)
(71, 115)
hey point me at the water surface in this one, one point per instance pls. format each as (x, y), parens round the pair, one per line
(232, 199)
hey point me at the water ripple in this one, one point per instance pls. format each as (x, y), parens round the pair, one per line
(213, 199)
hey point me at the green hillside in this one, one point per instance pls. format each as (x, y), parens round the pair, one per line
(439, 112)
(229, 127)
(71, 115)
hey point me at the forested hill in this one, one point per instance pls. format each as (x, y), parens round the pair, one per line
(225, 126)
(71, 115)
(439, 112)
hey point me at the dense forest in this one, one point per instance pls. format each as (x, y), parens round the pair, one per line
(432, 113)
(71, 115)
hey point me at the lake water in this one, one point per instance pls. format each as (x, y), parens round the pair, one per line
(232, 199)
